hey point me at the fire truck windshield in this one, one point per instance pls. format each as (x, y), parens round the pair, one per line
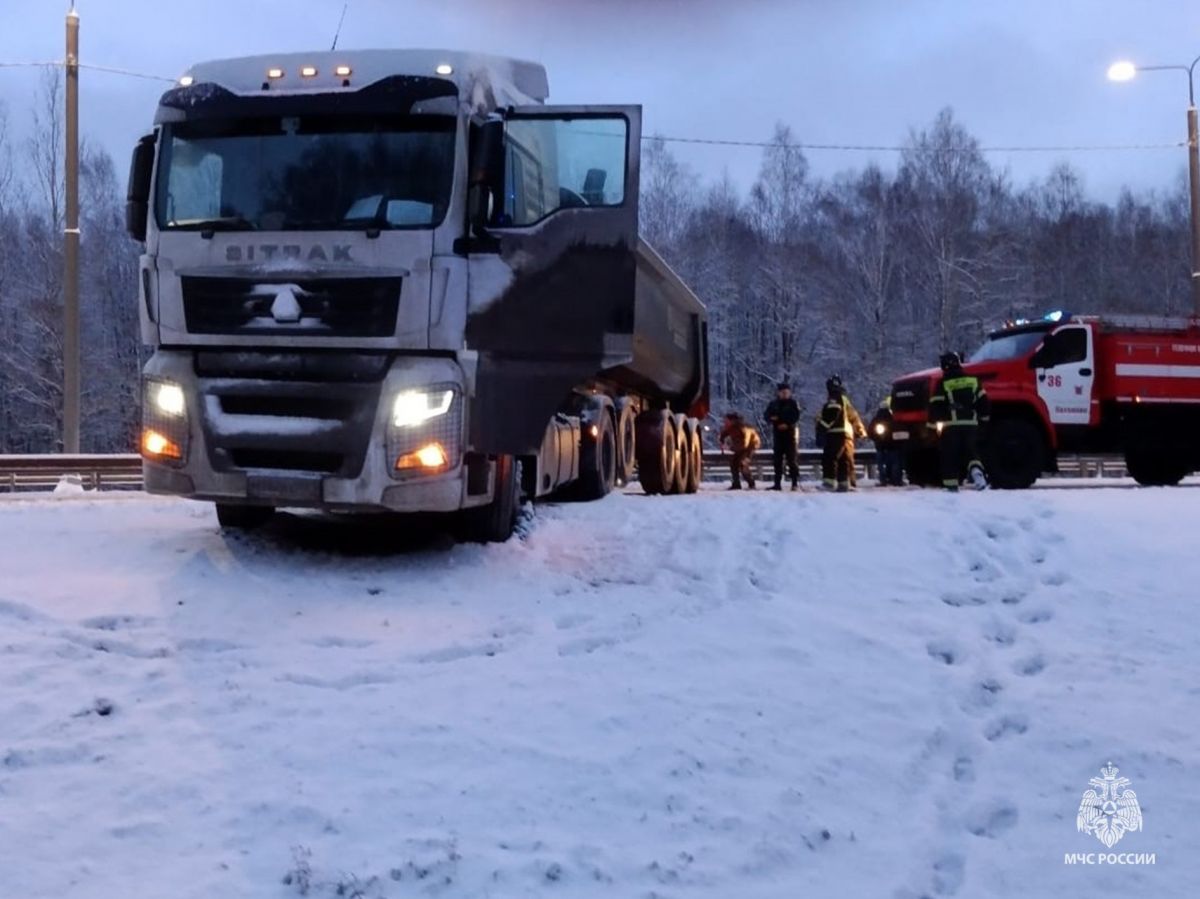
(1001, 346)
(309, 173)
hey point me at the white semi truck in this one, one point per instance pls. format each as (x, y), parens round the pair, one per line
(397, 280)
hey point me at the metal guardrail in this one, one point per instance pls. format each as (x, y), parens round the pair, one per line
(124, 472)
(716, 465)
(95, 472)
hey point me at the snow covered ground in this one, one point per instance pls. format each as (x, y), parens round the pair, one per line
(892, 694)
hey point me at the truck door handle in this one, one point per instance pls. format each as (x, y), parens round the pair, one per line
(1086, 372)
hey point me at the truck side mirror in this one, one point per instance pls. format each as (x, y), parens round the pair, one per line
(485, 177)
(137, 197)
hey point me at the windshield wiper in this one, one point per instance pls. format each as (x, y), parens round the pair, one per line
(208, 227)
(371, 224)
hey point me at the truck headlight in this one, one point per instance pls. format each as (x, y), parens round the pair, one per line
(164, 422)
(425, 431)
(940, 426)
(880, 429)
(168, 399)
(415, 407)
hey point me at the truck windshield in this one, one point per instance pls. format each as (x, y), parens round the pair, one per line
(1007, 346)
(306, 173)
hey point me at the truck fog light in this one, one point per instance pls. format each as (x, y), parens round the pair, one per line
(431, 456)
(157, 446)
(169, 399)
(414, 407)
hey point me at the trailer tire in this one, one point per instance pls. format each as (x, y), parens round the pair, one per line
(696, 450)
(1154, 468)
(234, 517)
(1014, 454)
(656, 451)
(626, 416)
(683, 454)
(598, 459)
(495, 522)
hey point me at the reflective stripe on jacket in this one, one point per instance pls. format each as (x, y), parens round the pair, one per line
(959, 401)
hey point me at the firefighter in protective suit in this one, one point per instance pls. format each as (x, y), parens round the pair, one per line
(837, 427)
(742, 440)
(958, 407)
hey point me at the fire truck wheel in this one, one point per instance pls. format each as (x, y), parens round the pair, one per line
(656, 452)
(1154, 468)
(923, 468)
(1014, 454)
(243, 518)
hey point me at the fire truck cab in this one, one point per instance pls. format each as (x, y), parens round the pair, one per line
(1065, 383)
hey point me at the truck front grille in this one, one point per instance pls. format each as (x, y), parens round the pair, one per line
(275, 423)
(319, 307)
(910, 396)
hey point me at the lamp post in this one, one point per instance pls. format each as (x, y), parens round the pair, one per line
(1125, 71)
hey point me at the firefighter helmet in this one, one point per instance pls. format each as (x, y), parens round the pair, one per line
(949, 361)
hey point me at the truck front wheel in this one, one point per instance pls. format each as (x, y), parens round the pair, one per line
(1014, 453)
(243, 518)
(495, 522)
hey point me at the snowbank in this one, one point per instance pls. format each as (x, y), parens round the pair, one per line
(894, 694)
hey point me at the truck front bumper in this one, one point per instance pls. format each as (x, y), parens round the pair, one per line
(323, 441)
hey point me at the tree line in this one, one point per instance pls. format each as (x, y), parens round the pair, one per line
(867, 274)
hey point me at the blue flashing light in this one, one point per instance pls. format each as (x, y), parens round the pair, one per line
(1056, 316)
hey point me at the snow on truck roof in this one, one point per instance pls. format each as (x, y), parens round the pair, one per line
(484, 81)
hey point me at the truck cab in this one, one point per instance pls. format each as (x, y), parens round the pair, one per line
(397, 280)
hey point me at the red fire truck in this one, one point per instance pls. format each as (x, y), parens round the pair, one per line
(1065, 383)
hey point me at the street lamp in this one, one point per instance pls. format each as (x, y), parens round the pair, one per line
(1125, 71)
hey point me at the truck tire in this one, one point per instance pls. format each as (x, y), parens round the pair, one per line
(656, 451)
(233, 517)
(598, 459)
(1014, 454)
(683, 454)
(1154, 468)
(923, 468)
(495, 522)
(626, 435)
(696, 469)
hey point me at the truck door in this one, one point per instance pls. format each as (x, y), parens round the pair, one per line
(1066, 371)
(552, 267)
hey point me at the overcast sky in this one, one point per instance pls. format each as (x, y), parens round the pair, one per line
(1017, 72)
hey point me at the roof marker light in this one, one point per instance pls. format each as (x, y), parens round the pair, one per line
(274, 73)
(187, 81)
(445, 69)
(343, 71)
(308, 72)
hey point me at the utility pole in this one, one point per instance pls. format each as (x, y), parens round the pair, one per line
(1194, 183)
(71, 389)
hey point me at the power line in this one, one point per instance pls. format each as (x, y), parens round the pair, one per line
(757, 144)
(882, 148)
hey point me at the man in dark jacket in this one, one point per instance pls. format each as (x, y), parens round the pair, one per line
(958, 407)
(887, 453)
(783, 414)
(837, 427)
(741, 440)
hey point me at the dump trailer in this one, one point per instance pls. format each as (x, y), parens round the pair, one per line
(398, 280)
(1127, 384)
